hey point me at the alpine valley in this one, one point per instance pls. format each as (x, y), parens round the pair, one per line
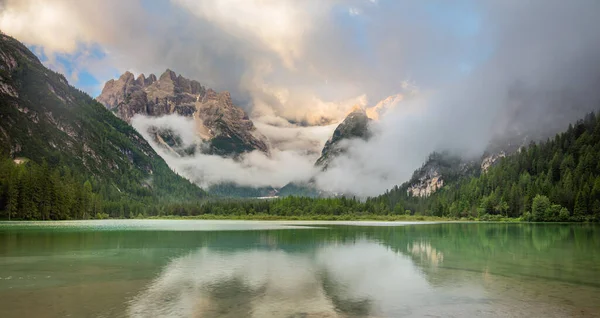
(66, 155)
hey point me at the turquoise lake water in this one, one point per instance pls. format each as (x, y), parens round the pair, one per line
(168, 268)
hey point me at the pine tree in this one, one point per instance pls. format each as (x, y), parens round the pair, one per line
(596, 210)
(580, 207)
(12, 196)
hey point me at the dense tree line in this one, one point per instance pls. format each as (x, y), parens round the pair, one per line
(29, 191)
(81, 160)
(556, 180)
(285, 207)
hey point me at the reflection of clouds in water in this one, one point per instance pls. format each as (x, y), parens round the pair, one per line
(256, 283)
(363, 279)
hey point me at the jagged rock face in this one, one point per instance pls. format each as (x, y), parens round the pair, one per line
(225, 126)
(355, 125)
(491, 160)
(428, 183)
(439, 169)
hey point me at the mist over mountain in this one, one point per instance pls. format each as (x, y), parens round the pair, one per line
(469, 73)
(47, 122)
(225, 127)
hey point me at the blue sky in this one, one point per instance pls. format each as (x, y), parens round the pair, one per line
(67, 64)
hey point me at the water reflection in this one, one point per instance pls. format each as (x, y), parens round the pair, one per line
(343, 280)
(426, 252)
(348, 272)
(463, 270)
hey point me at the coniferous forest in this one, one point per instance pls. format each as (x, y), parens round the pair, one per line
(556, 180)
(63, 155)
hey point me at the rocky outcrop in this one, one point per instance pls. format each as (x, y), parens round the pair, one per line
(427, 184)
(439, 169)
(490, 160)
(7, 64)
(226, 127)
(355, 125)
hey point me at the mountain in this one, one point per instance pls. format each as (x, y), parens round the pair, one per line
(304, 189)
(554, 180)
(355, 125)
(225, 126)
(438, 169)
(47, 121)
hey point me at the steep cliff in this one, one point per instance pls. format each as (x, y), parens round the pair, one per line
(439, 169)
(226, 127)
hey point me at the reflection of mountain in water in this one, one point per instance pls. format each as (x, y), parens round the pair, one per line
(372, 272)
(255, 283)
(426, 252)
(329, 281)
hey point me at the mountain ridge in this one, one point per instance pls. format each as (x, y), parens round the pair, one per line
(225, 126)
(354, 126)
(46, 120)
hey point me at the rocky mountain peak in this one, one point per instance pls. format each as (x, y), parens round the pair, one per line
(151, 79)
(168, 75)
(127, 77)
(141, 80)
(355, 125)
(218, 119)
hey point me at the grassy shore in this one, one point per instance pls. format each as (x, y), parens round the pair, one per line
(344, 217)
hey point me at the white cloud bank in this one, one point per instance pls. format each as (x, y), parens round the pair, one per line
(285, 164)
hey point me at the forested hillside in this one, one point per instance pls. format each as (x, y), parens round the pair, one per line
(65, 156)
(556, 180)
(67, 140)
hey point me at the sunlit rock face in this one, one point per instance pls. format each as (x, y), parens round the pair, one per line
(225, 126)
(440, 168)
(383, 106)
(427, 184)
(490, 160)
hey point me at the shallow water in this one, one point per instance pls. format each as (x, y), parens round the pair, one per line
(297, 269)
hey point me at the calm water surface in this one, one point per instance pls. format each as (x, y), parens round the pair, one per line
(285, 269)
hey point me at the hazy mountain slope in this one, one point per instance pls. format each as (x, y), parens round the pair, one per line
(43, 118)
(556, 180)
(355, 125)
(439, 169)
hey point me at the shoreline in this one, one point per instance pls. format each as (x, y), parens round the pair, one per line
(343, 217)
(349, 217)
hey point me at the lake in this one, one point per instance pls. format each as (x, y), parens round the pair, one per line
(169, 268)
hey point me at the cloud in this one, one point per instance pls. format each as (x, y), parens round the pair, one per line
(353, 11)
(483, 68)
(285, 136)
(278, 25)
(286, 163)
(543, 73)
(326, 281)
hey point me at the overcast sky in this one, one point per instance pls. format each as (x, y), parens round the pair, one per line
(476, 64)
